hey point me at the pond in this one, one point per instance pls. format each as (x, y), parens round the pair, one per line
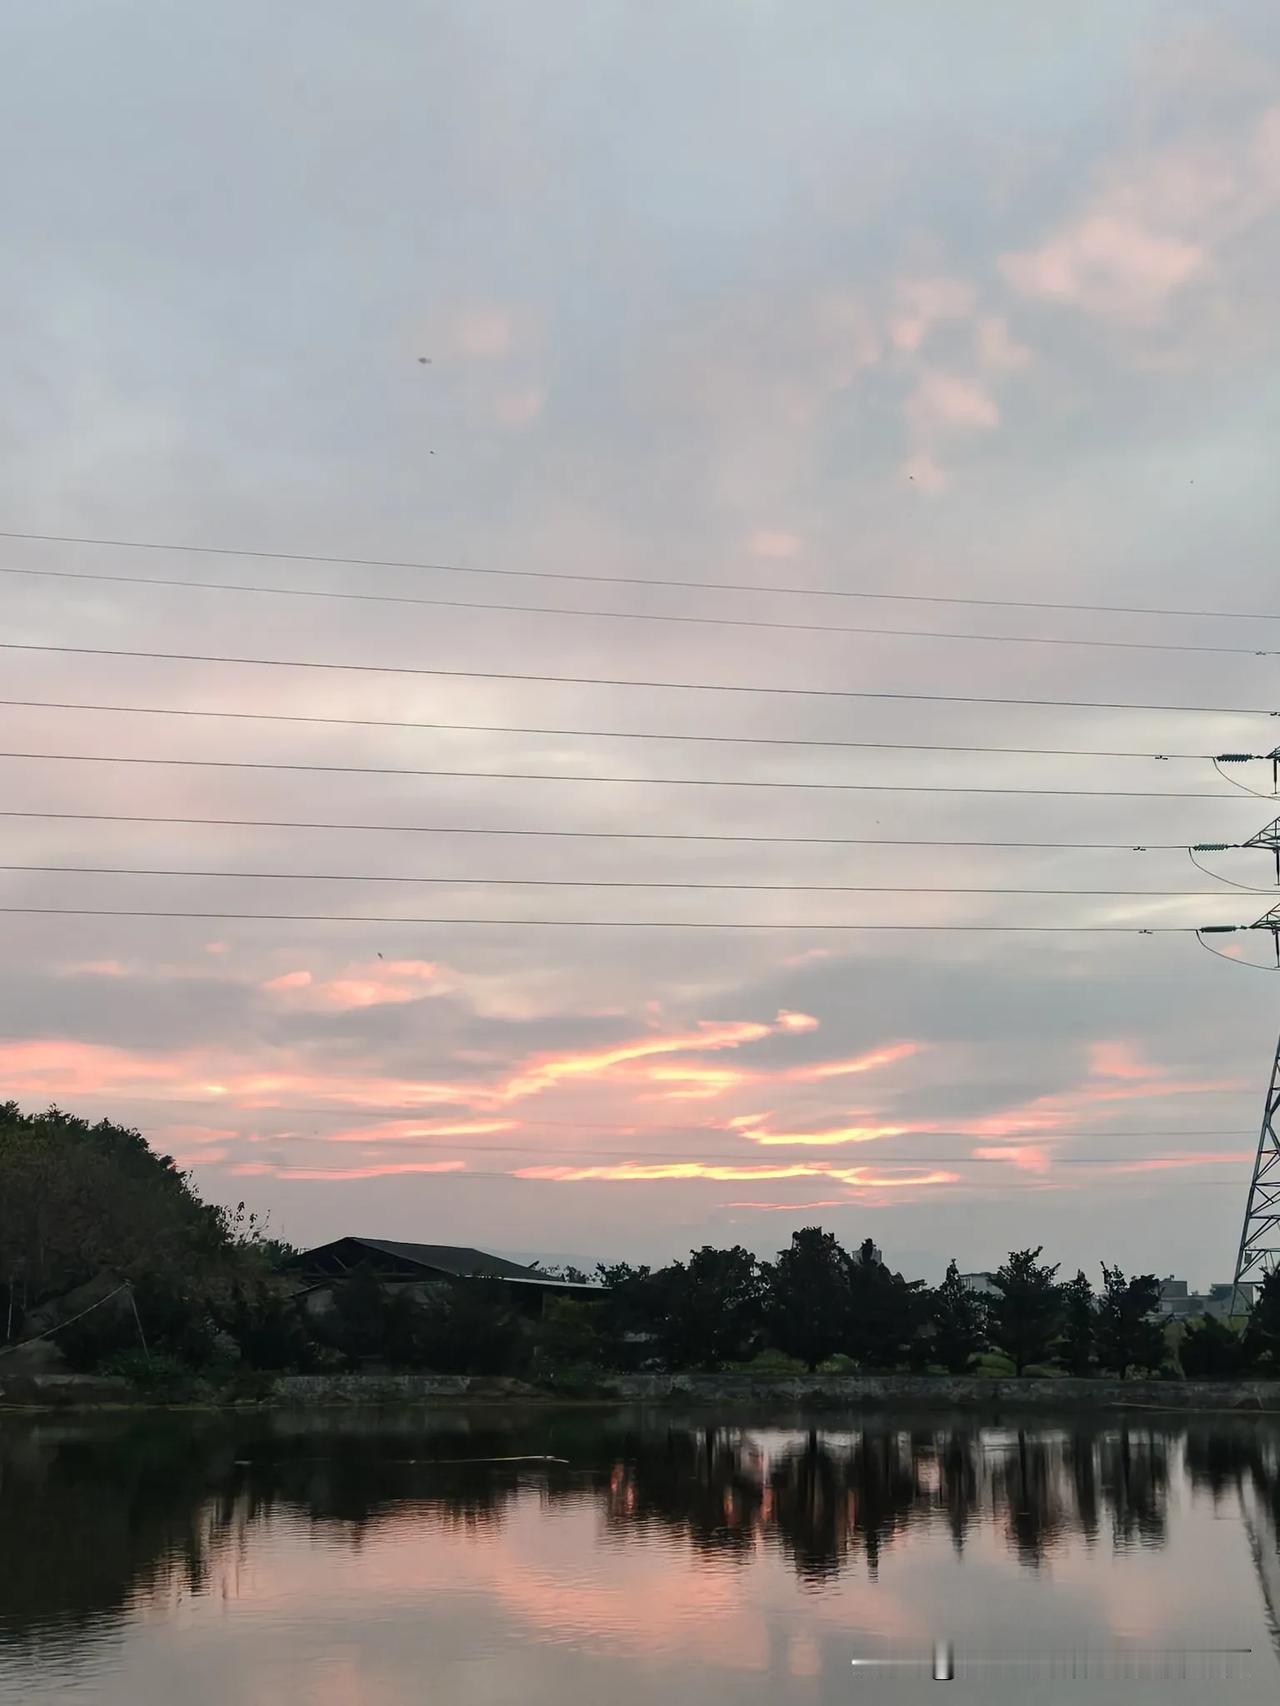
(487, 1557)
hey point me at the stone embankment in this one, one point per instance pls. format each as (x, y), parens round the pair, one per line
(745, 1392)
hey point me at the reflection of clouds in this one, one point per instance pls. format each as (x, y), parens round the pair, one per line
(359, 1549)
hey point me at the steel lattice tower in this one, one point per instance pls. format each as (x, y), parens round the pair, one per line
(1260, 1236)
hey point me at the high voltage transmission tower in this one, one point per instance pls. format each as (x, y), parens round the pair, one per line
(1259, 1250)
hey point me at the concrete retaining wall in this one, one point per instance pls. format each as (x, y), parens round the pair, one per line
(726, 1391)
(907, 1391)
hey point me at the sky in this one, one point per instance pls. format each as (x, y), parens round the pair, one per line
(930, 303)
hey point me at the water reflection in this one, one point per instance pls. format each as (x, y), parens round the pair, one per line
(100, 1518)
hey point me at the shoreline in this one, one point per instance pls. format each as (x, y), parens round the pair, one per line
(31, 1393)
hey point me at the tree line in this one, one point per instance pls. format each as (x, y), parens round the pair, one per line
(90, 1211)
(822, 1305)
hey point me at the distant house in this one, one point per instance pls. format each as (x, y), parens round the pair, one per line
(419, 1266)
(1179, 1303)
(982, 1282)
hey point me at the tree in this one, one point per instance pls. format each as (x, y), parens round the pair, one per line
(1262, 1333)
(886, 1312)
(1211, 1350)
(956, 1316)
(714, 1308)
(1023, 1318)
(809, 1296)
(1078, 1339)
(1128, 1335)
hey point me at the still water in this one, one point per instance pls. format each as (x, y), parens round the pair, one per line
(368, 1559)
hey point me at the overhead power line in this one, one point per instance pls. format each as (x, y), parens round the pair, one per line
(620, 681)
(606, 834)
(465, 881)
(571, 611)
(599, 923)
(616, 734)
(628, 781)
(789, 591)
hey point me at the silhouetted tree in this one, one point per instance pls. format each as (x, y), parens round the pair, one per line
(1023, 1319)
(1211, 1350)
(956, 1316)
(808, 1296)
(1262, 1334)
(714, 1308)
(886, 1312)
(1078, 1339)
(1129, 1335)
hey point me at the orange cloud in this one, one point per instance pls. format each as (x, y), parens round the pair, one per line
(544, 1072)
(648, 1171)
(858, 1063)
(837, 1135)
(376, 1170)
(407, 1131)
(792, 1207)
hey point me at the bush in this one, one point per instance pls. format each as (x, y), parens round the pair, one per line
(160, 1377)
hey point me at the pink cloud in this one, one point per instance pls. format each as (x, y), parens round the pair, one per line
(1118, 1060)
(217, 947)
(996, 347)
(289, 980)
(373, 984)
(96, 968)
(416, 1131)
(1106, 264)
(518, 408)
(775, 544)
(947, 400)
(1160, 220)
(921, 470)
(922, 304)
(1026, 1157)
(484, 333)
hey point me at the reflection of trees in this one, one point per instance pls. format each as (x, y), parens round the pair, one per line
(1031, 1491)
(829, 1502)
(705, 1484)
(89, 1518)
(1135, 1484)
(94, 1514)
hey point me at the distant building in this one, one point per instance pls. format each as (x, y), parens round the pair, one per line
(982, 1282)
(1179, 1303)
(420, 1267)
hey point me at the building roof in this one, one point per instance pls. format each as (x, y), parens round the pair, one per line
(460, 1261)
